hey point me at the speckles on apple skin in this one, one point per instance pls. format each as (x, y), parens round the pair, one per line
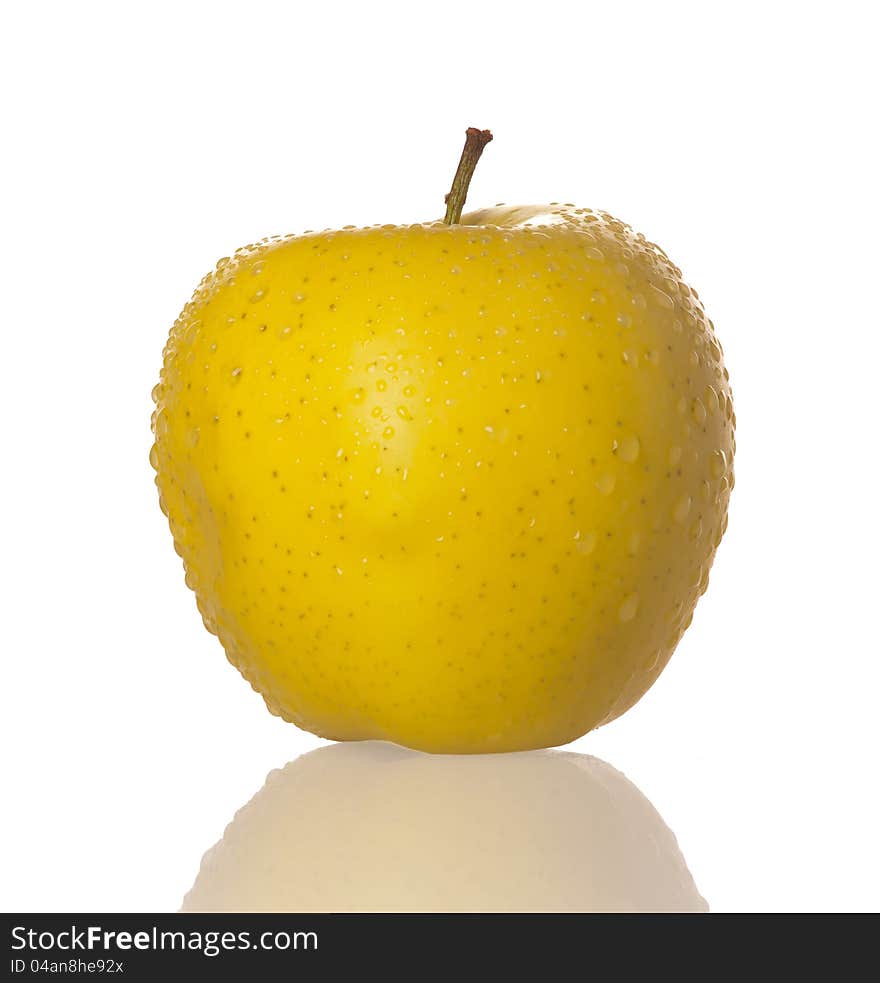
(402, 503)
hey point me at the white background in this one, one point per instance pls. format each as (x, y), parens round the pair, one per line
(144, 141)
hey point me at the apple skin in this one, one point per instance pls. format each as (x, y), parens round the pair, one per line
(371, 827)
(455, 487)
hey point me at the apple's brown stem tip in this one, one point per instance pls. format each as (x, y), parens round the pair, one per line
(474, 144)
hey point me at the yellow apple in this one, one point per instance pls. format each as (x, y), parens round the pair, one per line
(456, 486)
(372, 827)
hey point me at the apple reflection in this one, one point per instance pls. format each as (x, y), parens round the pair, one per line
(375, 827)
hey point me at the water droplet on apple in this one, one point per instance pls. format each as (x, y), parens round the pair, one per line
(698, 412)
(586, 543)
(718, 464)
(628, 449)
(606, 483)
(682, 508)
(710, 398)
(627, 611)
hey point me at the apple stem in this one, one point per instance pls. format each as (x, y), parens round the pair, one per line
(474, 144)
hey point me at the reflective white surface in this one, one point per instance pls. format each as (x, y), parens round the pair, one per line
(374, 827)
